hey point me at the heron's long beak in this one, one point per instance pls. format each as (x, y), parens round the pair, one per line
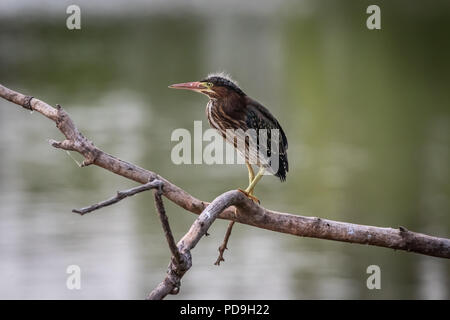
(195, 86)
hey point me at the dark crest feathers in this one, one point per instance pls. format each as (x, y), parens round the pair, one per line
(223, 80)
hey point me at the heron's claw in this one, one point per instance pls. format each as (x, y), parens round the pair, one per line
(250, 196)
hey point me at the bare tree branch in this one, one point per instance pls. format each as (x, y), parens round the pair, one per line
(250, 213)
(120, 195)
(189, 241)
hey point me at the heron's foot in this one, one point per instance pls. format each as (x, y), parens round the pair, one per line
(250, 195)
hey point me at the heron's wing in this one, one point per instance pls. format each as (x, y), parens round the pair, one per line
(258, 117)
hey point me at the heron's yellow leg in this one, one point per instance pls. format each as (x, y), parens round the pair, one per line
(251, 173)
(258, 177)
(251, 179)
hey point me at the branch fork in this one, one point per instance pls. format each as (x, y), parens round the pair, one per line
(74, 141)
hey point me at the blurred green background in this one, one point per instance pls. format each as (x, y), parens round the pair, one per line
(366, 113)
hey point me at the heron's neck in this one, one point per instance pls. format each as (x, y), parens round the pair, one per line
(230, 102)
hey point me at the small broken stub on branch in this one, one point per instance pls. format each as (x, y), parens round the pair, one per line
(27, 103)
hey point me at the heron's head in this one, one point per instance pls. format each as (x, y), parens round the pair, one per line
(215, 86)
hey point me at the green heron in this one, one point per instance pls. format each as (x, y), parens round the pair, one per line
(229, 108)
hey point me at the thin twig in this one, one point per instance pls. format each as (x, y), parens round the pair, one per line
(224, 244)
(120, 196)
(166, 227)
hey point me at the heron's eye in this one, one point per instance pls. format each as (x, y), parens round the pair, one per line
(209, 84)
